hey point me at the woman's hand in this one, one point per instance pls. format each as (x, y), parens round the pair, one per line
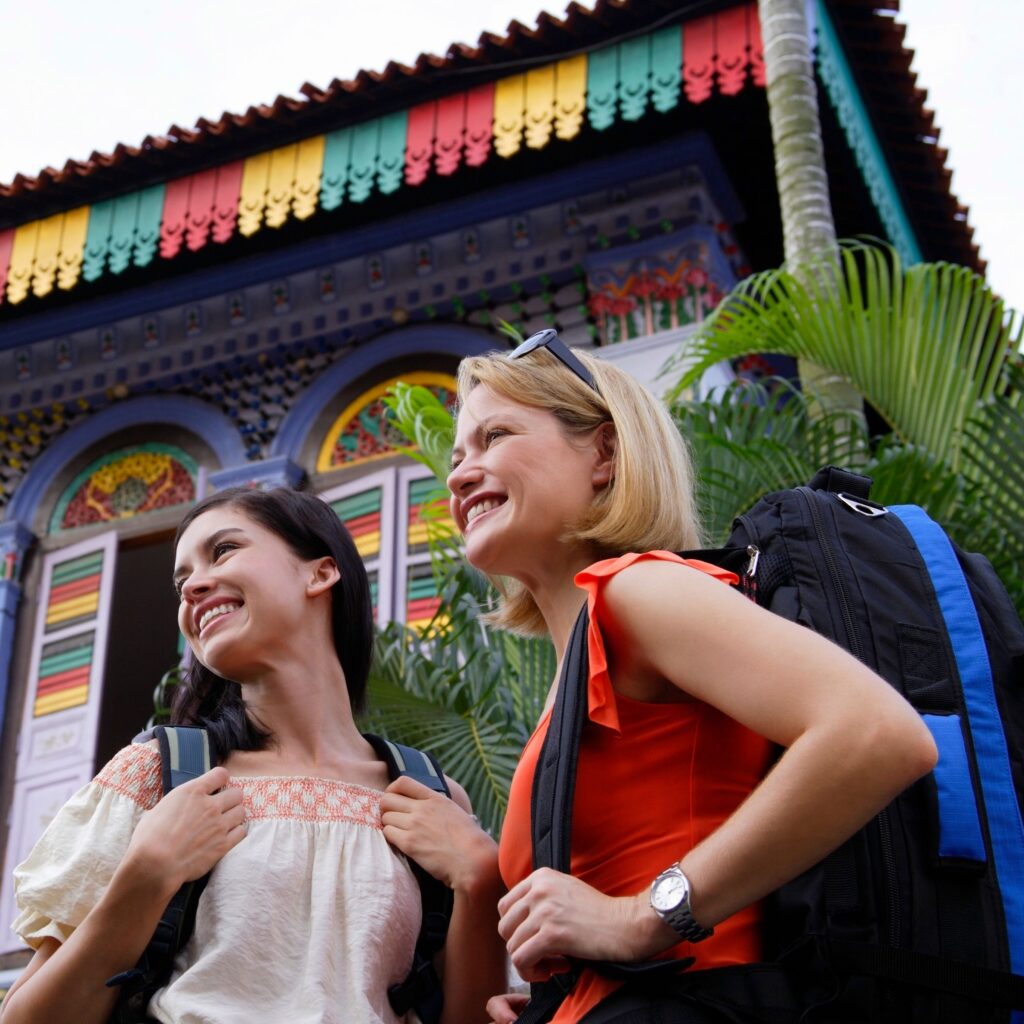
(439, 834)
(550, 916)
(504, 1009)
(188, 831)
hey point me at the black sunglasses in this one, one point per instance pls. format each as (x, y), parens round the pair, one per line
(550, 340)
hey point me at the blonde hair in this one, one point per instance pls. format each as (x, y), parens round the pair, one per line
(649, 502)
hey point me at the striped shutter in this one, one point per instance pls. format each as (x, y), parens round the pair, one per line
(367, 508)
(417, 598)
(57, 741)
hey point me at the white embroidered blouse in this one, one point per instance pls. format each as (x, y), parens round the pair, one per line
(308, 920)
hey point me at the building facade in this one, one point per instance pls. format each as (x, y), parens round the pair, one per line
(229, 304)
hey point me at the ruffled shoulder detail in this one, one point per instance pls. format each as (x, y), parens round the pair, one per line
(602, 707)
(68, 869)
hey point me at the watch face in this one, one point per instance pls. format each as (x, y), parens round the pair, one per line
(668, 892)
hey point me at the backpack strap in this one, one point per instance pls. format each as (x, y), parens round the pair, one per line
(982, 719)
(421, 989)
(185, 754)
(840, 481)
(551, 803)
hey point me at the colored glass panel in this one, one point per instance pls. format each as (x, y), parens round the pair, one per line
(64, 669)
(126, 483)
(365, 428)
(699, 58)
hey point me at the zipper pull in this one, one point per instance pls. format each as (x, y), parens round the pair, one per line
(754, 552)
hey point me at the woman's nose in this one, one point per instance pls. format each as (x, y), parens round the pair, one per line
(464, 475)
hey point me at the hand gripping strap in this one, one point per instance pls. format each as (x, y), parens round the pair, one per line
(421, 988)
(554, 786)
(184, 755)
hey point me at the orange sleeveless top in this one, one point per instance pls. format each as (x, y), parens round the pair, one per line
(653, 780)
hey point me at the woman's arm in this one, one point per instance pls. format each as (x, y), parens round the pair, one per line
(852, 744)
(179, 840)
(442, 837)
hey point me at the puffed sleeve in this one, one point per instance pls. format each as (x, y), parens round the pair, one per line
(70, 866)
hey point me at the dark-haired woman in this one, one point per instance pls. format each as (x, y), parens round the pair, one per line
(310, 913)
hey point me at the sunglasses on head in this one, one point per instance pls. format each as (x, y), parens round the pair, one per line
(550, 340)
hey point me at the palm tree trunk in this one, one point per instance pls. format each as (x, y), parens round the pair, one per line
(808, 229)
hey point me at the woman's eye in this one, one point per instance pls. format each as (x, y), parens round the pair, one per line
(222, 547)
(493, 434)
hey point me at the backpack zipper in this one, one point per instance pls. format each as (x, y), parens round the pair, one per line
(892, 900)
(839, 588)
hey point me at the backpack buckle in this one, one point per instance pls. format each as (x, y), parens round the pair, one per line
(862, 506)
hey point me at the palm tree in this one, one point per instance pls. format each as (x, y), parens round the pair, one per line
(934, 353)
(808, 228)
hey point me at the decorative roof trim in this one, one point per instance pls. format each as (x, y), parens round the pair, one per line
(842, 90)
(617, 82)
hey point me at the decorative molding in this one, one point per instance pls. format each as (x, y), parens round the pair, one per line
(619, 81)
(845, 97)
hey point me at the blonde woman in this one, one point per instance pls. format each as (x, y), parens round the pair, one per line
(570, 483)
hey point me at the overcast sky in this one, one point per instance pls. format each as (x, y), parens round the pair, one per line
(82, 76)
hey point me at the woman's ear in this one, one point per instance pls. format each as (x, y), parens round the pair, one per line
(605, 446)
(324, 574)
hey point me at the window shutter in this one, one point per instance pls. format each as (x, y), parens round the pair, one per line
(367, 508)
(57, 741)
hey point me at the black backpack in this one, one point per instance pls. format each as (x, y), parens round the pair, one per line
(919, 917)
(185, 754)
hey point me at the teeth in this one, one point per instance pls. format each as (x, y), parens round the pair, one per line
(480, 508)
(210, 613)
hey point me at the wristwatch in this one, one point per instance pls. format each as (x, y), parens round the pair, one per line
(670, 899)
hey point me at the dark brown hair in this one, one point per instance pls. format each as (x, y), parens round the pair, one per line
(311, 530)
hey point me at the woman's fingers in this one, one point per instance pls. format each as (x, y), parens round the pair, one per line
(504, 1009)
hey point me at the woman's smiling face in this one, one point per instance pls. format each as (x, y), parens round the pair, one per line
(517, 481)
(241, 591)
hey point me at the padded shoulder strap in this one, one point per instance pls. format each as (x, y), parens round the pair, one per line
(184, 754)
(421, 989)
(841, 481)
(403, 760)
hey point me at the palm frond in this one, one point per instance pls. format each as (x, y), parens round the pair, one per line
(925, 345)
